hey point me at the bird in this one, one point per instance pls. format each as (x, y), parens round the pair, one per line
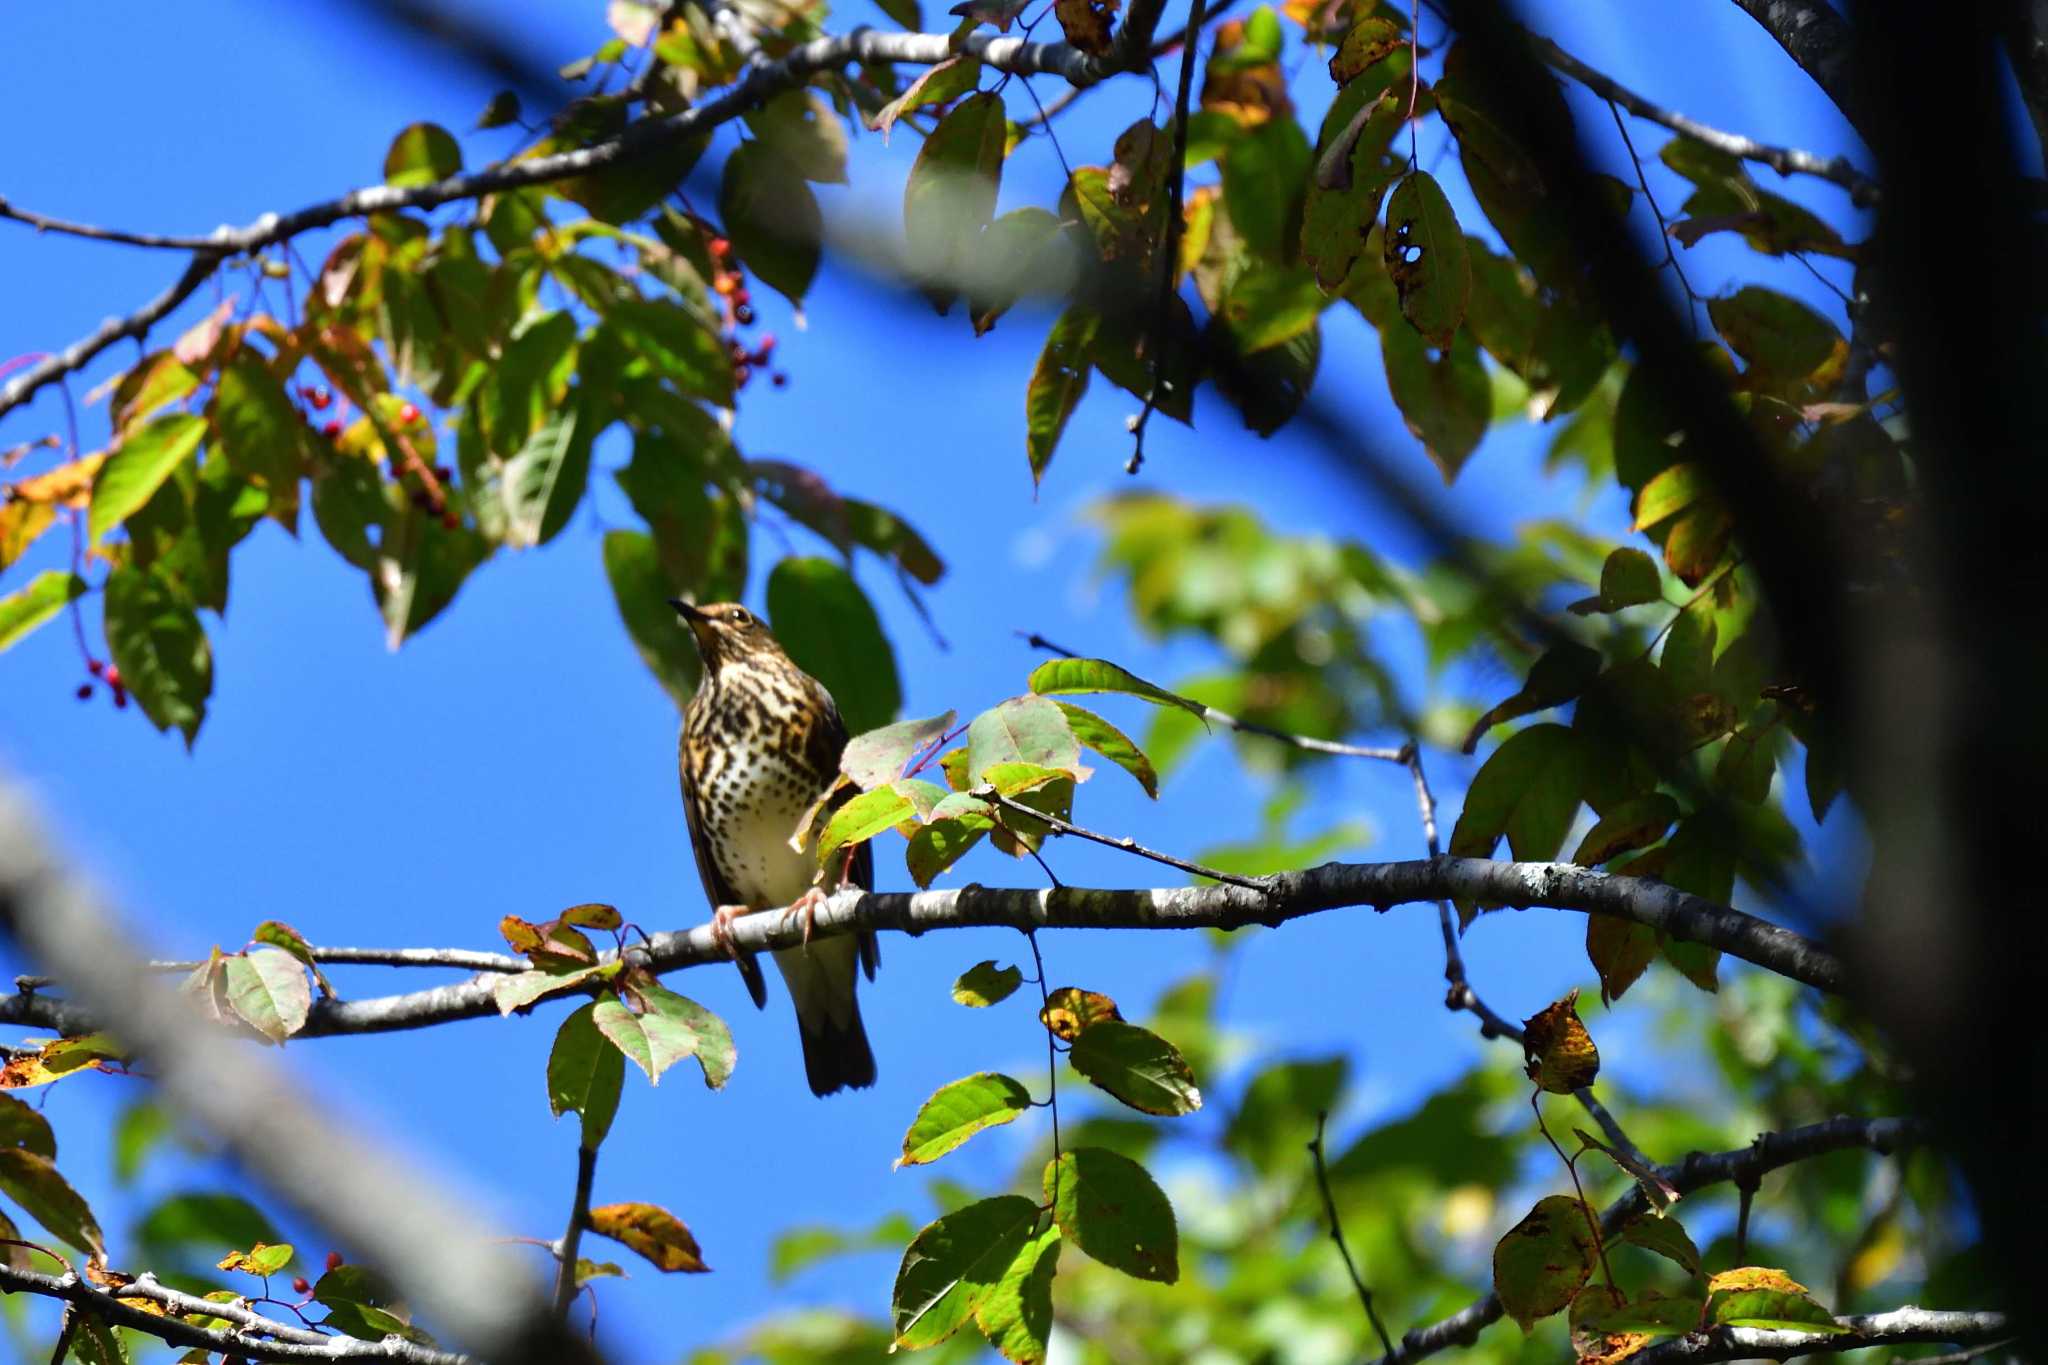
(761, 742)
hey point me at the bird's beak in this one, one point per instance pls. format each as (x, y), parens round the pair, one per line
(687, 611)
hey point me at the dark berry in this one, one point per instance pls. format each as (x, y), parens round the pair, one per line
(450, 520)
(85, 691)
(744, 314)
(741, 374)
(95, 667)
(331, 429)
(780, 380)
(120, 699)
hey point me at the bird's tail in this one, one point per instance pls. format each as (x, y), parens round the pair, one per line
(820, 977)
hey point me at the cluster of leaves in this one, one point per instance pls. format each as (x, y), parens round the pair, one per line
(993, 1260)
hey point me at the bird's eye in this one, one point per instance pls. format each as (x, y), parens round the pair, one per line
(740, 616)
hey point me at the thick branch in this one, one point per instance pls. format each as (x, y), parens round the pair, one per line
(1900, 1327)
(1020, 56)
(1815, 36)
(261, 1338)
(1286, 896)
(1699, 1170)
(1863, 190)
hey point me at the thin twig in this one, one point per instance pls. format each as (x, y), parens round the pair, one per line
(42, 222)
(572, 1237)
(1126, 844)
(1692, 300)
(1315, 1151)
(462, 959)
(1169, 250)
(1863, 190)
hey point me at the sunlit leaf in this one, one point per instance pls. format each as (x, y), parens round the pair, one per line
(144, 459)
(1110, 1207)
(953, 1264)
(652, 1231)
(958, 1110)
(985, 984)
(585, 1075)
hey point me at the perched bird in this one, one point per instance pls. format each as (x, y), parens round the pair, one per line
(761, 740)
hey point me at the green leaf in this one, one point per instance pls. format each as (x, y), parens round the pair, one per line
(544, 479)
(824, 621)
(1446, 400)
(267, 987)
(1016, 1316)
(361, 1305)
(1780, 339)
(1543, 1260)
(1665, 1237)
(422, 154)
(585, 1074)
(877, 757)
(862, 818)
(1758, 1296)
(154, 382)
(1426, 258)
(280, 935)
(1636, 823)
(957, 1111)
(955, 825)
(1528, 790)
(955, 1263)
(160, 648)
(1058, 382)
(1028, 729)
(257, 428)
(1557, 676)
(676, 344)
(1137, 1067)
(93, 1341)
(772, 218)
(1653, 1314)
(1060, 677)
(939, 84)
(1269, 306)
(714, 1050)
(1368, 41)
(1669, 493)
(136, 469)
(21, 1126)
(951, 193)
(32, 1182)
(1353, 170)
(1113, 744)
(985, 984)
(1023, 252)
(633, 566)
(1111, 1208)
(1265, 176)
(653, 1042)
(46, 595)
(801, 127)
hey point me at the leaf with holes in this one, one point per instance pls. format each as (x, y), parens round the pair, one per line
(986, 984)
(1427, 258)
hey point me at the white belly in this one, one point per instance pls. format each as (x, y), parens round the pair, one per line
(759, 804)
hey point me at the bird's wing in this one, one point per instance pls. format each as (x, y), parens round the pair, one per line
(822, 749)
(716, 889)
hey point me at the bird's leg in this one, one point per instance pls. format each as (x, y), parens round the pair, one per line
(721, 926)
(807, 905)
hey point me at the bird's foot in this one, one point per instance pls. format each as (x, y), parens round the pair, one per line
(721, 927)
(806, 905)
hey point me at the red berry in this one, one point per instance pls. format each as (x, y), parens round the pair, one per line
(450, 520)
(318, 396)
(332, 429)
(113, 676)
(333, 1260)
(85, 691)
(767, 343)
(739, 291)
(95, 667)
(719, 246)
(120, 699)
(744, 314)
(741, 374)
(300, 1285)
(408, 414)
(779, 380)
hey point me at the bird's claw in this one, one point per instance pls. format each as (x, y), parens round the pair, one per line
(806, 905)
(721, 927)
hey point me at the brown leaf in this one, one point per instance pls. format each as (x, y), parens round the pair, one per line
(1069, 1011)
(652, 1231)
(1086, 23)
(1561, 1056)
(68, 484)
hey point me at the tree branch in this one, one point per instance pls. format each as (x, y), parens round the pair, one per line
(764, 80)
(1699, 1170)
(1863, 190)
(464, 959)
(368, 1199)
(572, 1236)
(1899, 1327)
(1818, 38)
(283, 1343)
(1284, 896)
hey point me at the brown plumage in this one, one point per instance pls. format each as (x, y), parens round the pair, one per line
(761, 739)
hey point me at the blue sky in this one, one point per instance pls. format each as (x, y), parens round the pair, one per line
(516, 758)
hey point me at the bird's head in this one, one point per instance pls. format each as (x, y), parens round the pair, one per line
(727, 632)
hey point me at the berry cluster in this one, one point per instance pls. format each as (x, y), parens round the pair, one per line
(111, 676)
(425, 487)
(729, 282)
